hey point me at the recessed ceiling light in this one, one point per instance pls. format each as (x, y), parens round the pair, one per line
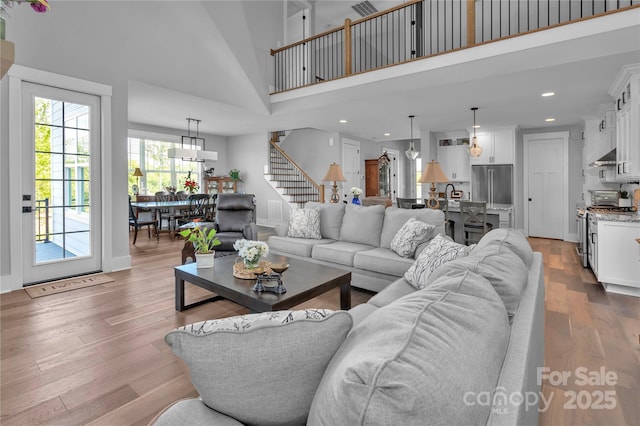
(549, 119)
(343, 121)
(547, 94)
(387, 134)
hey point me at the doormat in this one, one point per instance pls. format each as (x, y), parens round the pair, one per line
(68, 284)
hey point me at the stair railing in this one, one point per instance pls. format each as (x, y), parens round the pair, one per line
(302, 180)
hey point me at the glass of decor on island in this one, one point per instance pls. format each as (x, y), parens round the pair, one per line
(251, 251)
(356, 192)
(190, 184)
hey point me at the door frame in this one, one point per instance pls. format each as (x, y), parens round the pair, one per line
(395, 181)
(526, 141)
(16, 75)
(355, 143)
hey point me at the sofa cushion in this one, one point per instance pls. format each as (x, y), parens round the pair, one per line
(395, 217)
(439, 251)
(394, 291)
(498, 264)
(304, 223)
(339, 252)
(296, 246)
(362, 225)
(512, 238)
(331, 215)
(413, 233)
(413, 361)
(382, 260)
(275, 360)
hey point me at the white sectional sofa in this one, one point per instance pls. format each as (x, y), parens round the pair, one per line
(358, 239)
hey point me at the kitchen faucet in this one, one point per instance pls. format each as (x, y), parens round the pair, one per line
(446, 194)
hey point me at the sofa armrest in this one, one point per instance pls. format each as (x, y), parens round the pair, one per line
(188, 412)
(282, 229)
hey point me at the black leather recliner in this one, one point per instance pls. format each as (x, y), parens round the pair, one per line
(235, 219)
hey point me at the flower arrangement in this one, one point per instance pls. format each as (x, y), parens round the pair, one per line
(251, 251)
(39, 6)
(190, 184)
(235, 175)
(356, 192)
(203, 240)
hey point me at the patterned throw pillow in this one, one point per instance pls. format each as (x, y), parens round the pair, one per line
(413, 233)
(275, 360)
(304, 223)
(440, 250)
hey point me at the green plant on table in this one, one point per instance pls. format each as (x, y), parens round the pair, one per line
(203, 240)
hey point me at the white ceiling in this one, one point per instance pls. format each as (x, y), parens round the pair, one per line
(504, 79)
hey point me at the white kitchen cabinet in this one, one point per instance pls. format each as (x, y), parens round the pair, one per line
(619, 256)
(498, 147)
(455, 162)
(626, 91)
(606, 131)
(607, 174)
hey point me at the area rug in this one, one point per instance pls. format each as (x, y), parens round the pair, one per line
(68, 284)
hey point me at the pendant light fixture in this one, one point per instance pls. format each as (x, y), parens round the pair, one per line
(411, 153)
(474, 149)
(192, 148)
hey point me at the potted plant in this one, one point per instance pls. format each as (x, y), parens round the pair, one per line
(203, 240)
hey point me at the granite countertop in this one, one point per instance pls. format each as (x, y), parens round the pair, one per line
(617, 217)
(454, 206)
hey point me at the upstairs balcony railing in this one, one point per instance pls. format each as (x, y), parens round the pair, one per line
(422, 28)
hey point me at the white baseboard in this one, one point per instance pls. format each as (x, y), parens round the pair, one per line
(119, 264)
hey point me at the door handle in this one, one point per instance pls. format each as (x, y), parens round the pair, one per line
(530, 199)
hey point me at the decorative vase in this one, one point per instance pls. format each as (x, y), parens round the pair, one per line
(356, 200)
(205, 260)
(251, 265)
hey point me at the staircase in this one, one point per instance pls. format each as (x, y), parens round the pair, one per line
(288, 179)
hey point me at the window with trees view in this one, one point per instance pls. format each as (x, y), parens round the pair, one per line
(158, 170)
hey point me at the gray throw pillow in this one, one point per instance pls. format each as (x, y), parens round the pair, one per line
(362, 225)
(331, 215)
(412, 362)
(304, 223)
(261, 368)
(438, 251)
(413, 233)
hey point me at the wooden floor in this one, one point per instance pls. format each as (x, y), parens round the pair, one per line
(97, 355)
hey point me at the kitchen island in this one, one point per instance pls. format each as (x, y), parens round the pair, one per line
(615, 259)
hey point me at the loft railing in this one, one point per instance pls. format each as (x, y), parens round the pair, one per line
(422, 28)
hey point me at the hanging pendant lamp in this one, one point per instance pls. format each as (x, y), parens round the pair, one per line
(474, 149)
(411, 153)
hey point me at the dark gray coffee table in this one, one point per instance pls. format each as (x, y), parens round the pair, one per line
(303, 280)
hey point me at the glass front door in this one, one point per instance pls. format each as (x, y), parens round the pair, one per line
(61, 164)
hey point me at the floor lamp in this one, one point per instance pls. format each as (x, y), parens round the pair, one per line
(433, 174)
(334, 174)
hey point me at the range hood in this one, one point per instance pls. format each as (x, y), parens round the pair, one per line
(609, 159)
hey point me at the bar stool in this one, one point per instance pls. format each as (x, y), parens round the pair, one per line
(474, 220)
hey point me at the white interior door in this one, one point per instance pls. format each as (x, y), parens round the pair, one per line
(546, 185)
(60, 161)
(351, 166)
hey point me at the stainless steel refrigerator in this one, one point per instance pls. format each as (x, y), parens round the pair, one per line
(493, 184)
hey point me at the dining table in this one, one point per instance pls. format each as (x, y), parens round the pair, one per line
(171, 206)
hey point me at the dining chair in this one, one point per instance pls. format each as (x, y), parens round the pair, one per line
(165, 214)
(136, 223)
(474, 220)
(199, 208)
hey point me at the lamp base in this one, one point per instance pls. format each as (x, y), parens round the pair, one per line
(335, 197)
(432, 201)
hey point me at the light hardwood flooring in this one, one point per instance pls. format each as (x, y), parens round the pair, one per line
(97, 355)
